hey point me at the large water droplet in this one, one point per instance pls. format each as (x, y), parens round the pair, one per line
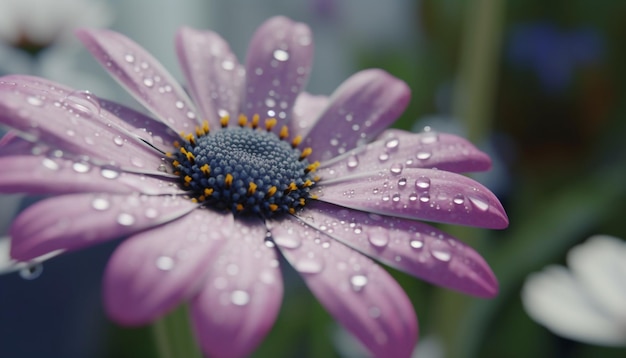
(423, 155)
(392, 143)
(83, 102)
(379, 239)
(416, 243)
(109, 173)
(50, 164)
(353, 161)
(31, 271)
(148, 82)
(383, 157)
(441, 251)
(396, 168)
(239, 297)
(422, 183)
(100, 204)
(358, 282)
(165, 263)
(125, 219)
(458, 199)
(480, 203)
(281, 55)
(309, 266)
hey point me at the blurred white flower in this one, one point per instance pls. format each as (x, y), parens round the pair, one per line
(586, 302)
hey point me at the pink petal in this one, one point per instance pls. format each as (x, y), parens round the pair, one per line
(51, 175)
(406, 245)
(151, 272)
(213, 74)
(423, 194)
(74, 221)
(142, 76)
(361, 295)
(411, 150)
(241, 296)
(306, 112)
(72, 121)
(362, 107)
(277, 68)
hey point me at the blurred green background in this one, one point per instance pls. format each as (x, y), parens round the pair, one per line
(539, 85)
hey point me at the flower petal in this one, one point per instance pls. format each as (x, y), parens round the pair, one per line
(213, 74)
(8, 264)
(361, 295)
(74, 221)
(277, 68)
(558, 301)
(423, 194)
(359, 110)
(407, 245)
(51, 175)
(306, 112)
(241, 297)
(600, 266)
(72, 121)
(412, 150)
(151, 272)
(143, 76)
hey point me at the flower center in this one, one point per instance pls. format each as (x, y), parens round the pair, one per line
(245, 169)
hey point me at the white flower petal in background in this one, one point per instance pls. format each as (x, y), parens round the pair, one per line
(588, 302)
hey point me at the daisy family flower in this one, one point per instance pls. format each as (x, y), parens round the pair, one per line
(585, 302)
(214, 188)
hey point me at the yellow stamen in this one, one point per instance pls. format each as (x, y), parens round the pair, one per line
(270, 123)
(302, 201)
(243, 120)
(228, 181)
(317, 178)
(312, 167)
(313, 197)
(307, 183)
(273, 207)
(271, 191)
(176, 144)
(190, 156)
(175, 163)
(168, 154)
(306, 152)
(239, 207)
(191, 139)
(251, 188)
(224, 121)
(206, 169)
(201, 198)
(187, 179)
(296, 141)
(208, 191)
(194, 200)
(284, 132)
(292, 186)
(292, 211)
(255, 121)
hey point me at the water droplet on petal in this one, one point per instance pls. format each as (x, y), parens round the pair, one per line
(480, 203)
(441, 251)
(458, 199)
(396, 168)
(129, 58)
(288, 241)
(81, 167)
(240, 297)
(358, 282)
(109, 173)
(423, 155)
(353, 161)
(309, 266)
(422, 182)
(50, 164)
(148, 82)
(392, 143)
(379, 239)
(34, 101)
(83, 102)
(32, 271)
(228, 65)
(402, 182)
(125, 219)
(100, 204)
(165, 263)
(424, 197)
(416, 243)
(383, 157)
(281, 55)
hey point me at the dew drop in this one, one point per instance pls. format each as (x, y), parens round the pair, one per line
(412, 197)
(309, 266)
(458, 199)
(416, 243)
(31, 271)
(148, 82)
(429, 137)
(81, 167)
(358, 282)
(50, 164)
(100, 204)
(383, 157)
(395, 198)
(379, 239)
(402, 182)
(228, 65)
(353, 161)
(239, 297)
(479, 203)
(392, 143)
(396, 168)
(34, 101)
(125, 219)
(269, 242)
(129, 58)
(422, 182)
(424, 197)
(288, 241)
(151, 213)
(109, 173)
(423, 155)
(165, 263)
(441, 251)
(179, 104)
(83, 102)
(281, 55)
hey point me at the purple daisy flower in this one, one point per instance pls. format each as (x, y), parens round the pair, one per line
(212, 191)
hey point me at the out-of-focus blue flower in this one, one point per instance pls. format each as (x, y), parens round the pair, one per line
(553, 53)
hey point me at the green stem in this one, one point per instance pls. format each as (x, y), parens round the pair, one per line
(173, 336)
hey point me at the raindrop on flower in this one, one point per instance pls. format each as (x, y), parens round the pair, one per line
(424, 197)
(31, 271)
(441, 251)
(100, 204)
(396, 168)
(165, 263)
(287, 241)
(228, 65)
(422, 183)
(358, 282)
(392, 143)
(34, 101)
(309, 266)
(129, 58)
(81, 167)
(402, 182)
(240, 297)
(423, 155)
(281, 55)
(479, 203)
(125, 219)
(379, 239)
(353, 161)
(50, 164)
(109, 173)
(395, 198)
(148, 82)
(416, 243)
(458, 199)
(383, 157)
(83, 102)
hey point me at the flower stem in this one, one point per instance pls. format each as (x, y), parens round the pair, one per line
(173, 336)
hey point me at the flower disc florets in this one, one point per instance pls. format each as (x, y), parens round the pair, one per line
(245, 169)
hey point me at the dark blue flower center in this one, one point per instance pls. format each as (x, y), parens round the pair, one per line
(245, 169)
